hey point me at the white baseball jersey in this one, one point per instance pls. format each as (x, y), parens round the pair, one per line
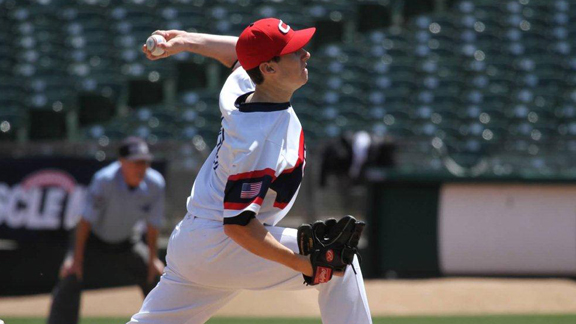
(258, 162)
(256, 166)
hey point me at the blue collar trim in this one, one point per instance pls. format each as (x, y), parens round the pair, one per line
(258, 106)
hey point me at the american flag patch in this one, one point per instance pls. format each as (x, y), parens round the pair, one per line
(250, 190)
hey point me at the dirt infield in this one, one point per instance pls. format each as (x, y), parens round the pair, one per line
(462, 296)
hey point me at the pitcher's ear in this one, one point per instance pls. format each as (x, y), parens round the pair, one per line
(266, 68)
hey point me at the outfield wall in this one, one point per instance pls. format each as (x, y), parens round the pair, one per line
(433, 225)
(507, 229)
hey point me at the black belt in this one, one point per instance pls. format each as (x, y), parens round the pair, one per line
(94, 242)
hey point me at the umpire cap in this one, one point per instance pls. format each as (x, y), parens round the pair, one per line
(135, 149)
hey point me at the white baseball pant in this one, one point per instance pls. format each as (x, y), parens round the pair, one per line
(206, 269)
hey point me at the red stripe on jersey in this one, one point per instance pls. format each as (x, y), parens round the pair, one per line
(301, 149)
(300, 154)
(240, 206)
(280, 205)
(253, 174)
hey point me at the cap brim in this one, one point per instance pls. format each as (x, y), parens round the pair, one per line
(140, 157)
(299, 40)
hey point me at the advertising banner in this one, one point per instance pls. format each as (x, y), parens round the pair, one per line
(41, 200)
(40, 203)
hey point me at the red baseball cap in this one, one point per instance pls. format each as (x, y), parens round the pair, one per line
(269, 37)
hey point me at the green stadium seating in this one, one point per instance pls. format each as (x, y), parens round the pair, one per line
(488, 77)
(12, 120)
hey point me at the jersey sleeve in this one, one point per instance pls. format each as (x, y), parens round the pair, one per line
(250, 178)
(95, 203)
(156, 214)
(237, 84)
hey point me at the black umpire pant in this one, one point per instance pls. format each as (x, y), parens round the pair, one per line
(105, 265)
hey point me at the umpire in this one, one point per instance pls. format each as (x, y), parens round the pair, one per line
(107, 249)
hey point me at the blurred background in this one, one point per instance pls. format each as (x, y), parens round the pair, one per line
(448, 125)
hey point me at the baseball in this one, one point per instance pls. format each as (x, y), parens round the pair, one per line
(152, 44)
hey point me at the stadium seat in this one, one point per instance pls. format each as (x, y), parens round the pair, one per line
(372, 15)
(13, 120)
(94, 108)
(486, 76)
(47, 124)
(183, 16)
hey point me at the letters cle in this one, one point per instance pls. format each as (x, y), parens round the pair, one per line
(38, 205)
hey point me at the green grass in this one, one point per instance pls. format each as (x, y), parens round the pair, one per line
(495, 319)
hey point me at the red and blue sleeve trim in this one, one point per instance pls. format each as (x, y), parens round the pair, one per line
(289, 180)
(247, 188)
(243, 219)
